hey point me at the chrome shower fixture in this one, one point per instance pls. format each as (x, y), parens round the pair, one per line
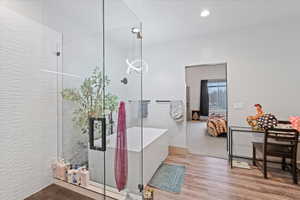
(137, 31)
(124, 81)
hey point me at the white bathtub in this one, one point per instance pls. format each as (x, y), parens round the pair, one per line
(155, 148)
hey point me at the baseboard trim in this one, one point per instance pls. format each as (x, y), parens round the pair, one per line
(173, 150)
(92, 191)
(95, 191)
(80, 190)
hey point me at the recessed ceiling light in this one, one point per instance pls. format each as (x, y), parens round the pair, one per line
(205, 13)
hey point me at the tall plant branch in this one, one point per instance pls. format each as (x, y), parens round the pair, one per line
(88, 99)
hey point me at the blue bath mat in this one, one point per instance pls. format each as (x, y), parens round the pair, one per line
(168, 178)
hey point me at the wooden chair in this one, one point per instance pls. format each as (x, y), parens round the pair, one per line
(278, 142)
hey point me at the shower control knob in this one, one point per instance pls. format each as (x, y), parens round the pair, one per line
(124, 81)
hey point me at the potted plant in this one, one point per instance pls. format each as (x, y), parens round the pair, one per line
(90, 100)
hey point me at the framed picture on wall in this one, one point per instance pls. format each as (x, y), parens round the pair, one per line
(196, 115)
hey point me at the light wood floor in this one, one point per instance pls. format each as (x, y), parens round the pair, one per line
(210, 178)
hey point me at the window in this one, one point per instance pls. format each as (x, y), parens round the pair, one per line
(217, 97)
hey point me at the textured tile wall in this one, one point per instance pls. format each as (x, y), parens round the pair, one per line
(28, 105)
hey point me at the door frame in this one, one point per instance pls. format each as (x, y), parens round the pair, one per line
(225, 63)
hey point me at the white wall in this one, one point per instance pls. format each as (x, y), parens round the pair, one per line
(28, 104)
(262, 68)
(165, 81)
(195, 74)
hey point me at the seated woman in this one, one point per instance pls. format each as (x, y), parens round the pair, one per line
(252, 120)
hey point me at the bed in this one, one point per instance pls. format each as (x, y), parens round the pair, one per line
(217, 125)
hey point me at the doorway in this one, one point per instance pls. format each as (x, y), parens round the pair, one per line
(206, 109)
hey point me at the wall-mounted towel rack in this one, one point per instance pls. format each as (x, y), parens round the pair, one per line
(163, 101)
(143, 101)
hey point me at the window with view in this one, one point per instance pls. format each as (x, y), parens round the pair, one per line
(217, 97)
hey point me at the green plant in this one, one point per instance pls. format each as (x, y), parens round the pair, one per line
(90, 99)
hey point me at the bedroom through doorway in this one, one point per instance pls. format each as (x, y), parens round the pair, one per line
(207, 109)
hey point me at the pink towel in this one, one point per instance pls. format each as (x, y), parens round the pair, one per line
(121, 157)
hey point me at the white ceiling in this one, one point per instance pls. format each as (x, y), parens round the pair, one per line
(81, 18)
(163, 20)
(167, 20)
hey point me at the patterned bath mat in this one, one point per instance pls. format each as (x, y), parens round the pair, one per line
(169, 178)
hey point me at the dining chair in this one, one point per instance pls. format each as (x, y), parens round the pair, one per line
(281, 143)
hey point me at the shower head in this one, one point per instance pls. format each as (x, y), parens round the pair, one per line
(135, 30)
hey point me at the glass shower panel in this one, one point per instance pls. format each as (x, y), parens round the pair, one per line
(80, 85)
(100, 51)
(123, 40)
(81, 76)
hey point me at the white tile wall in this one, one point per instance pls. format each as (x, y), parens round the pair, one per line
(28, 105)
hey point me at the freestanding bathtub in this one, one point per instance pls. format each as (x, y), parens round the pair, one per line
(155, 151)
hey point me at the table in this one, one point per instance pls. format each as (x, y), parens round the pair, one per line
(230, 140)
(243, 129)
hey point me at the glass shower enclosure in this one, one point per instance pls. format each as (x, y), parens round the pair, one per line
(100, 97)
(73, 72)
